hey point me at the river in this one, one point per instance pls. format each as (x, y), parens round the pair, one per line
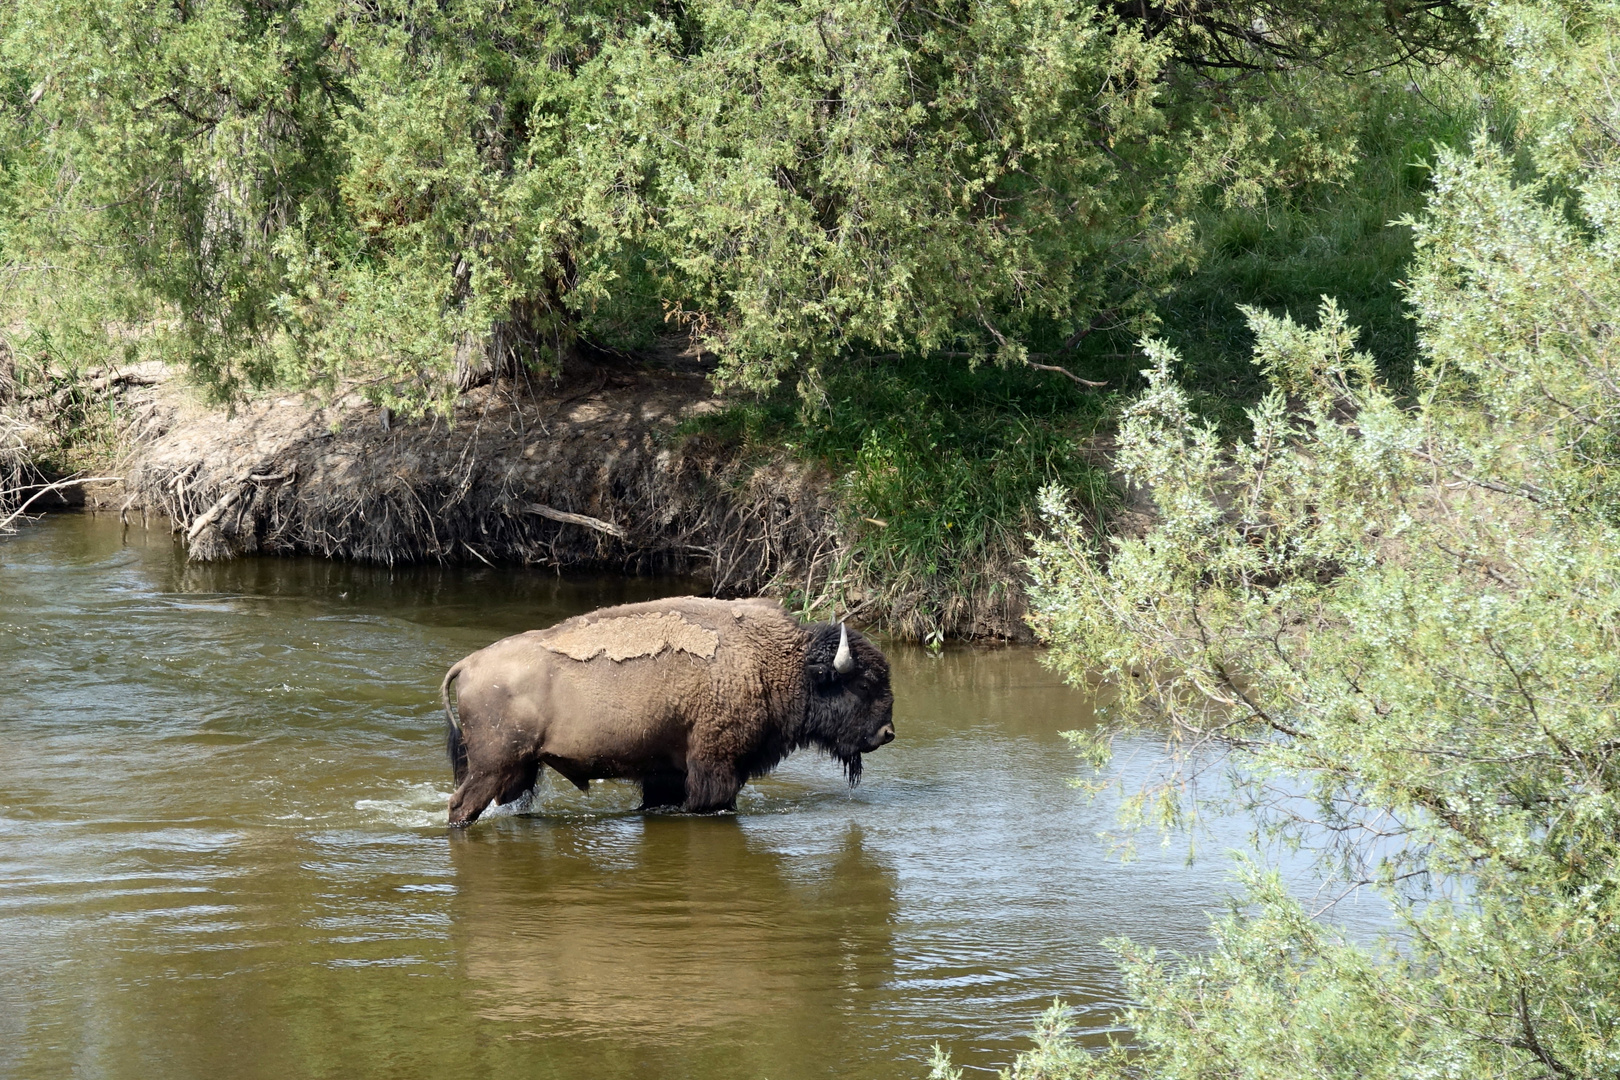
(223, 851)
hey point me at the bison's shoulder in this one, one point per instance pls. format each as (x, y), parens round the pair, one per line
(705, 610)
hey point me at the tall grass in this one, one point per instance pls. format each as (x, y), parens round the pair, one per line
(1337, 240)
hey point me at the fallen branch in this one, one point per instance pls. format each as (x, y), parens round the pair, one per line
(576, 519)
(231, 498)
(1028, 361)
(1065, 371)
(57, 486)
(128, 378)
(213, 513)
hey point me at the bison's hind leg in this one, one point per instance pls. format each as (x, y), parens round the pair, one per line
(500, 785)
(662, 789)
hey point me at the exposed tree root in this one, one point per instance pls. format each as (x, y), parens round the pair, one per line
(597, 472)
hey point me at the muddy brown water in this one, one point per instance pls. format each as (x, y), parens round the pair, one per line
(223, 851)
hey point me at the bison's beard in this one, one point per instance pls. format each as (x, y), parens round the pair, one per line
(852, 767)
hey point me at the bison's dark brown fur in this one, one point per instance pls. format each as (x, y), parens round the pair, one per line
(689, 696)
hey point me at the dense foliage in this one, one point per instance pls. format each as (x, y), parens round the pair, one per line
(940, 462)
(405, 194)
(1397, 619)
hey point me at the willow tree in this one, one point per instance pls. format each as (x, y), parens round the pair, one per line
(1404, 614)
(405, 194)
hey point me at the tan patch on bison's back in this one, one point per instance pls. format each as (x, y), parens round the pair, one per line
(630, 636)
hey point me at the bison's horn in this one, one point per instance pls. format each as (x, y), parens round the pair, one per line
(844, 662)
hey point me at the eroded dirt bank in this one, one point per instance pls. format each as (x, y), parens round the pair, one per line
(602, 468)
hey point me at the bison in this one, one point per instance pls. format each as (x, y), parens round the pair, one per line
(691, 697)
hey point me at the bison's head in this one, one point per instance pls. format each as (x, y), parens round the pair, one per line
(851, 709)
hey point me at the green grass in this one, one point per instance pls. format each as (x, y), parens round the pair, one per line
(1339, 241)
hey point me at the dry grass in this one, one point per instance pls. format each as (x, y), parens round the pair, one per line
(19, 471)
(603, 483)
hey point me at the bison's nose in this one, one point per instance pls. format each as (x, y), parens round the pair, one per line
(884, 736)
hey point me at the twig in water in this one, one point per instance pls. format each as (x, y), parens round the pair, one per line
(5, 525)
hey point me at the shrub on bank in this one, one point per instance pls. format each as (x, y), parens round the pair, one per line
(938, 470)
(1398, 616)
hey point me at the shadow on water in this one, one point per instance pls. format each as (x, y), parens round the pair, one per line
(222, 851)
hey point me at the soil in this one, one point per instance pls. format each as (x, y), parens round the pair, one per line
(599, 468)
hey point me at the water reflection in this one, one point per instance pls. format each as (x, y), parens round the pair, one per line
(669, 930)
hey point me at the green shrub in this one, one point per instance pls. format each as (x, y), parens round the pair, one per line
(938, 471)
(1404, 607)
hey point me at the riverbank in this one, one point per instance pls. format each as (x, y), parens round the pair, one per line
(620, 464)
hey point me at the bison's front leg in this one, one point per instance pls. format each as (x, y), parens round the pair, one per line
(663, 789)
(711, 786)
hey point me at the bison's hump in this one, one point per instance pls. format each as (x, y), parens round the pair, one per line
(630, 636)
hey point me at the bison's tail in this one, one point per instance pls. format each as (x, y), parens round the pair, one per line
(457, 752)
(454, 748)
(444, 693)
